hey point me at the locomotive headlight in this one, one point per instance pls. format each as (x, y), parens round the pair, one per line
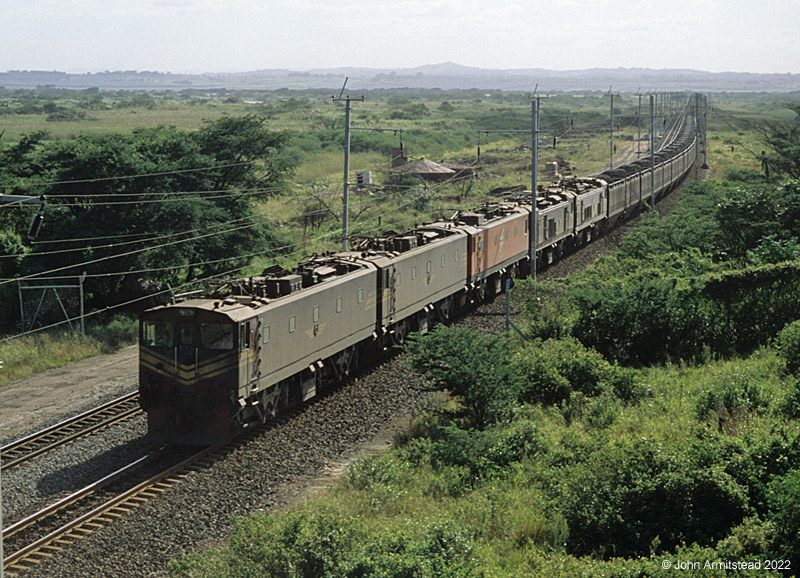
(185, 312)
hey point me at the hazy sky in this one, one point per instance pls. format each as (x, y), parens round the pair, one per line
(242, 35)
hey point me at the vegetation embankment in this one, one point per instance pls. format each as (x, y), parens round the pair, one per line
(650, 423)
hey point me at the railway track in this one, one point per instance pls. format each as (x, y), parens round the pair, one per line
(69, 430)
(56, 527)
(78, 515)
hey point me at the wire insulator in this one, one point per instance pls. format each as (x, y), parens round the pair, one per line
(36, 224)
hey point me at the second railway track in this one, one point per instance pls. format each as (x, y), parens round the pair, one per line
(67, 431)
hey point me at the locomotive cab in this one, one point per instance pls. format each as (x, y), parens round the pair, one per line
(189, 364)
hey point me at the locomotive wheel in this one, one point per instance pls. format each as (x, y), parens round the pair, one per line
(445, 309)
(400, 332)
(480, 291)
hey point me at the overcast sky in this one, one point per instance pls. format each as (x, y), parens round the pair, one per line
(243, 35)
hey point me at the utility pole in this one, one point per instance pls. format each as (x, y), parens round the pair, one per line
(639, 123)
(652, 157)
(534, 180)
(696, 132)
(345, 182)
(611, 146)
(705, 134)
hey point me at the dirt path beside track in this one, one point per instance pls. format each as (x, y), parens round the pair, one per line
(48, 396)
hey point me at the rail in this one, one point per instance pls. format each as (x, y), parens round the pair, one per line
(69, 430)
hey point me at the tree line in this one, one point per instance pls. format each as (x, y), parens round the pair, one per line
(156, 206)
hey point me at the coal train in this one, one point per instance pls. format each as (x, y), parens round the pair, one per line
(214, 365)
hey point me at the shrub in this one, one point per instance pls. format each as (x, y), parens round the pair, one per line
(307, 545)
(784, 501)
(734, 398)
(552, 370)
(791, 403)
(116, 333)
(471, 366)
(788, 345)
(488, 453)
(626, 498)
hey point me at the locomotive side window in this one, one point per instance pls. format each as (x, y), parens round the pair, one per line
(266, 334)
(216, 335)
(292, 324)
(157, 334)
(360, 295)
(413, 273)
(316, 314)
(443, 259)
(338, 305)
(244, 336)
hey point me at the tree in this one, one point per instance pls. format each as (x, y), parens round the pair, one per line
(153, 199)
(469, 365)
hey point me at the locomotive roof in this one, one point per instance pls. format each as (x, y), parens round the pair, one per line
(239, 299)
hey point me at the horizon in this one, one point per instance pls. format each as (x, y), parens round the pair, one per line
(201, 36)
(319, 69)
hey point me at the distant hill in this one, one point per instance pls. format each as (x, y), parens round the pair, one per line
(447, 75)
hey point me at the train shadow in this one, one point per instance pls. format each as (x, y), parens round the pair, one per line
(80, 471)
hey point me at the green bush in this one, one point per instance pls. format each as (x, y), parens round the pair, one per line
(788, 346)
(736, 397)
(791, 403)
(471, 366)
(626, 498)
(487, 453)
(552, 370)
(784, 501)
(119, 331)
(309, 545)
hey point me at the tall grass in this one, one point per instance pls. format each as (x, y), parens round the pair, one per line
(25, 356)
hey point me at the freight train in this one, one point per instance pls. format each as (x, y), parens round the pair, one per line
(214, 365)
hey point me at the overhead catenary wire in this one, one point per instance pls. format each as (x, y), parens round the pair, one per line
(305, 214)
(136, 176)
(170, 290)
(433, 188)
